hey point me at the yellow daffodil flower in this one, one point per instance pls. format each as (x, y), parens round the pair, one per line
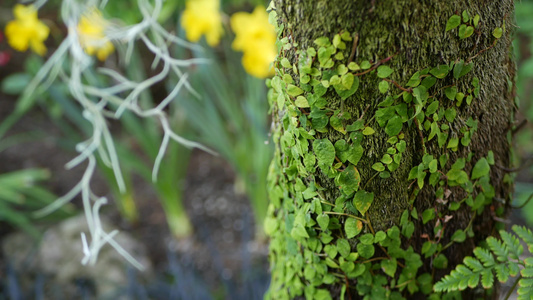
(202, 17)
(26, 30)
(256, 37)
(91, 34)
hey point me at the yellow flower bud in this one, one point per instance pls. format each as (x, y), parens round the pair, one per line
(27, 31)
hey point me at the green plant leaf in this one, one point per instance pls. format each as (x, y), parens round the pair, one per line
(468, 31)
(15, 84)
(368, 131)
(487, 278)
(323, 221)
(460, 69)
(324, 151)
(462, 31)
(440, 72)
(450, 114)
(432, 108)
(349, 180)
(352, 227)
(366, 251)
(484, 256)
(386, 159)
(475, 22)
(459, 236)
(301, 102)
(354, 154)
(353, 66)
(384, 71)
(481, 169)
(497, 32)
(394, 126)
(365, 64)
(389, 266)
(367, 239)
(322, 42)
(498, 248)
(383, 86)
(525, 234)
(378, 167)
(453, 22)
(345, 93)
(428, 215)
(451, 92)
(343, 246)
(331, 251)
(466, 16)
(293, 90)
(362, 201)
(440, 262)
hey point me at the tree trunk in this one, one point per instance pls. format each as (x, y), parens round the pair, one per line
(388, 171)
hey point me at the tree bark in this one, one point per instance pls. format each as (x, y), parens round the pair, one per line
(408, 37)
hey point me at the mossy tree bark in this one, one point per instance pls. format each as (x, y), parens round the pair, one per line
(385, 179)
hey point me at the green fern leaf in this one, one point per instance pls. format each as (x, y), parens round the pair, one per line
(481, 267)
(529, 262)
(527, 272)
(526, 282)
(526, 235)
(485, 257)
(473, 264)
(498, 248)
(502, 272)
(525, 293)
(487, 278)
(514, 269)
(463, 270)
(512, 243)
(449, 282)
(525, 290)
(473, 280)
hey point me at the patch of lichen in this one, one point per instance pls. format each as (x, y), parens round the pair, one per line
(340, 214)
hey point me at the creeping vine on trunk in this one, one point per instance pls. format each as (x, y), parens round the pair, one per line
(389, 119)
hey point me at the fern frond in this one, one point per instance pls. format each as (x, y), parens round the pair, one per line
(515, 249)
(498, 248)
(526, 235)
(450, 282)
(487, 279)
(526, 282)
(525, 293)
(525, 290)
(507, 264)
(473, 264)
(502, 272)
(485, 257)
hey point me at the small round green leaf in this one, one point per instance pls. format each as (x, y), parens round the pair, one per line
(362, 201)
(497, 32)
(368, 131)
(453, 22)
(383, 86)
(352, 227)
(384, 71)
(481, 168)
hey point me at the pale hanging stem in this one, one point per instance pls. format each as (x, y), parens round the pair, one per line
(100, 103)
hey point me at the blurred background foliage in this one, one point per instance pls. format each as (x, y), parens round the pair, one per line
(523, 45)
(229, 116)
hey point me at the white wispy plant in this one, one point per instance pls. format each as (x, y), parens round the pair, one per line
(71, 64)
